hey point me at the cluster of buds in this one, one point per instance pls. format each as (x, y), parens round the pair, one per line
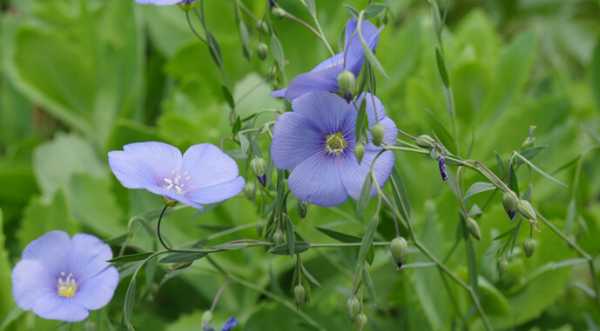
(513, 205)
(356, 313)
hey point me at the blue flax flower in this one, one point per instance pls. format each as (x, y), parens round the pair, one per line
(164, 2)
(324, 76)
(63, 278)
(316, 143)
(228, 326)
(203, 175)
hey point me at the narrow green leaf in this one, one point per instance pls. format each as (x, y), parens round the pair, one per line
(290, 234)
(478, 187)
(182, 257)
(442, 68)
(130, 258)
(595, 74)
(365, 195)
(243, 31)
(540, 171)
(374, 9)
(277, 52)
(283, 249)
(341, 237)
(228, 96)
(368, 53)
(309, 276)
(367, 242)
(399, 194)
(10, 317)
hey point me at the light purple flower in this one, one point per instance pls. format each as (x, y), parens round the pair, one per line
(203, 175)
(316, 143)
(164, 2)
(324, 76)
(63, 278)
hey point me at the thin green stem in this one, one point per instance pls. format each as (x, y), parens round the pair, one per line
(158, 232)
(311, 29)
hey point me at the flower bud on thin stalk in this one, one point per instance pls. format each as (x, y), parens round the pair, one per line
(473, 228)
(529, 246)
(361, 321)
(262, 51)
(299, 295)
(207, 318)
(524, 207)
(425, 141)
(378, 132)
(398, 248)
(509, 202)
(354, 306)
(347, 84)
(359, 151)
(259, 166)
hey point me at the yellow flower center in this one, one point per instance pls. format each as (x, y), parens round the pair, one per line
(66, 286)
(335, 143)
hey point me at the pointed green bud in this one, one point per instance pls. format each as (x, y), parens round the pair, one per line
(425, 141)
(278, 237)
(360, 321)
(262, 51)
(259, 166)
(354, 306)
(510, 202)
(359, 151)
(347, 84)
(529, 246)
(262, 26)
(207, 318)
(299, 295)
(473, 228)
(378, 132)
(278, 12)
(250, 191)
(398, 248)
(525, 209)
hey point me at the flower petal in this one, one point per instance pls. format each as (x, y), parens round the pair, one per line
(316, 180)
(88, 256)
(355, 55)
(97, 291)
(321, 80)
(329, 112)
(295, 138)
(144, 165)
(30, 281)
(335, 61)
(51, 250)
(159, 2)
(353, 175)
(207, 165)
(217, 193)
(53, 307)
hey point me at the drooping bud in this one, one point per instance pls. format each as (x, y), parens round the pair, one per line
(525, 209)
(278, 12)
(347, 84)
(443, 168)
(278, 237)
(361, 321)
(259, 166)
(299, 295)
(354, 307)
(509, 202)
(425, 141)
(207, 318)
(529, 246)
(378, 132)
(398, 248)
(262, 51)
(262, 26)
(473, 228)
(250, 191)
(359, 151)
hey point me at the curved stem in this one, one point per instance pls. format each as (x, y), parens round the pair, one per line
(158, 233)
(311, 29)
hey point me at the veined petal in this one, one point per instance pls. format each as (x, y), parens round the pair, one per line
(329, 112)
(335, 61)
(97, 291)
(317, 181)
(51, 250)
(353, 175)
(322, 80)
(30, 281)
(207, 165)
(88, 256)
(53, 307)
(295, 138)
(355, 55)
(142, 165)
(217, 193)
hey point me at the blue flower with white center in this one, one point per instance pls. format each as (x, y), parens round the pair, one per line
(63, 278)
(324, 77)
(316, 143)
(203, 175)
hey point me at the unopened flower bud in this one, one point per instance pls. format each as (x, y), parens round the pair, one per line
(347, 84)
(258, 165)
(302, 209)
(262, 26)
(354, 307)
(529, 246)
(378, 132)
(443, 168)
(398, 248)
(473, 228)
(250, 190)
(278, 12)
(262, 51)
(359, 151)
(509, 202)
(502, 265)
(207, 318)
(278, 237)
(360, 321)
(299, 295)
(425, 141)
(525, 208)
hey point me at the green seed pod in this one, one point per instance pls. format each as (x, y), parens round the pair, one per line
(259, 166)
(510, 202)
(425, 141)
(529, 246)
(354, 306)
(347, 84)
(207, 318)
(262, 26)
(299, 295)
(398, 248)
(360, 321)
(378, 132)
(262, 51)
(359, 151)
(525, 209)
(250, 191)
(278, 12)
(278, 237)
(473, 228)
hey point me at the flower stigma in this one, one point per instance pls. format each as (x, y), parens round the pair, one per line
(177, 182)
(335, 143)
(66, 286)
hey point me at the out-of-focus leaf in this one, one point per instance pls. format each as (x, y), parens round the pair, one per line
(6, 302)
(595, 74)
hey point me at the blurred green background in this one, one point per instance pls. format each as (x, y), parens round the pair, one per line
(79, 78)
